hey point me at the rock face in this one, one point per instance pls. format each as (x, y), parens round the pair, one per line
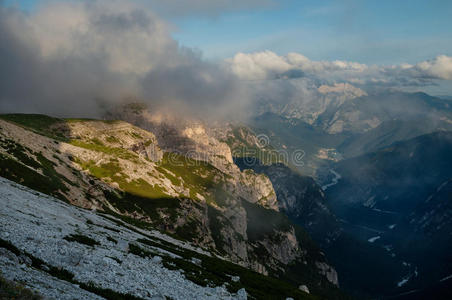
(107, 165)
(302, 199)
(343, 124)
(304, 288)
(193, 139)
(329, 272)
(188, 137)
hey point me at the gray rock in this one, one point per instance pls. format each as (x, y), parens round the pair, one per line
(11, 257)
(196, 261)
(304, 288)
(242, 294)
(23, 259)
(157, 259)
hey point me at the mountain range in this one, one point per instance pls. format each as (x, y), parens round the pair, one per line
(224, 209)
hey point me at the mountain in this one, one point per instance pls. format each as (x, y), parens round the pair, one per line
(351, 126)
(180, 180)
(367, 112)
(65, 252)
(398, 199)
(301, 199)
(389, 132)
(289, 136)
(357, 112)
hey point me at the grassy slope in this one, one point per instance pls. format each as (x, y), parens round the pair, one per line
(135, 195)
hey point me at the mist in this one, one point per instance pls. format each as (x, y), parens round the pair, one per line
(80, 58)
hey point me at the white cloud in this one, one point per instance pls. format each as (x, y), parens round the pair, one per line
(130, 38)
(440, 67)
(71, 57)
(66, 55)
(268, 65)
(258, 66)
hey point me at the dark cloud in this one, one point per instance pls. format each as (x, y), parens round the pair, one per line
(76, 58)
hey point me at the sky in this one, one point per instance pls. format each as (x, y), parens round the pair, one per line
(217, 55)
(366, 31)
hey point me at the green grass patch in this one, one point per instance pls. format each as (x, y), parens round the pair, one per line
(113, 172)
(199, 176)
(112, 139)
(98, 146)
(82, 239)
(40, 124)
(128, 203)
(215, 271)
(241, 147)
(109, 238)
(12, 290)
(51, 183)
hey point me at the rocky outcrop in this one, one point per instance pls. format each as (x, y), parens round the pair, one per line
(257, 188)
(329, 272)
(185, 136)
(193, 139)
(105, 165)
(302, 199)
(40, 225)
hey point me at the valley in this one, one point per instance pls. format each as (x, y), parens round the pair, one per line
(339, 224)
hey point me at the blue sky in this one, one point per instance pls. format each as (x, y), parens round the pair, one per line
(367, 31)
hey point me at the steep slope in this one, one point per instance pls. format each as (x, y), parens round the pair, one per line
(398, 199)
(348, 125)
(389, 132)
(118, 168)
(293, 135)
(65, 252)
(369, 111)
(300, 198)
(395, 178)
(427, 234)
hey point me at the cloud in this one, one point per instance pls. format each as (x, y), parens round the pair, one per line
(440, 67)
(267, 65)
(259, 66)
(75, 57)
(296, 86)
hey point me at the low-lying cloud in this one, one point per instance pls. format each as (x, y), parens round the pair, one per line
(267, 65)
(77, 58)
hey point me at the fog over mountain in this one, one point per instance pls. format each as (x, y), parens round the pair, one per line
(75, 57)
(225, 149)
(78, 57)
